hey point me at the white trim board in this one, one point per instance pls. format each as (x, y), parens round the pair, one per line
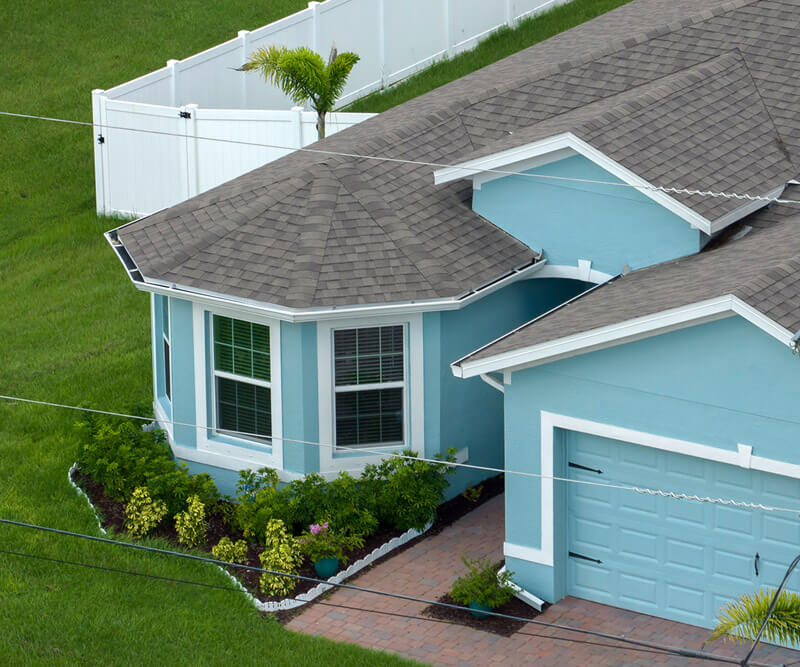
(624, 332)
(527, 154)
(543, 555)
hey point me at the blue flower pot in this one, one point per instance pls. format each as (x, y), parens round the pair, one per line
(326, 567)
(479, 610)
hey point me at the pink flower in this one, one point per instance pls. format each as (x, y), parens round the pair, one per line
(316, 529)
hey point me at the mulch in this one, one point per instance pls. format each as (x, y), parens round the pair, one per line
(499, 626)
(112, 517)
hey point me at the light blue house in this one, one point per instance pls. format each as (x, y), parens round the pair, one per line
(549, 275)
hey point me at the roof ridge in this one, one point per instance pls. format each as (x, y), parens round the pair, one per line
(312, 240)
(285, 188)
(426, 263)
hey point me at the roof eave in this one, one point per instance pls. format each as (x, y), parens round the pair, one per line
(495, 163)
(619, 333)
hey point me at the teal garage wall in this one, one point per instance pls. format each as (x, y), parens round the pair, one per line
(610, 225)
(718, 384)
(469, 413)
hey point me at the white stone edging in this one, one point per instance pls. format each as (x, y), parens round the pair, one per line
(81, 492)
(308, 596)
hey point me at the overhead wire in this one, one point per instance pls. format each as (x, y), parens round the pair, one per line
(683, 652)
(444, 462)
(420, 163)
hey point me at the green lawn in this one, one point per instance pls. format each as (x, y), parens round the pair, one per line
(74, 330)
(498, 45)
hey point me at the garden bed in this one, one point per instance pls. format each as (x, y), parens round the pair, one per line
(376, 547)
(499, 626)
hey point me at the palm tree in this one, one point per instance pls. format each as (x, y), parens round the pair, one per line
(303, 75)
(741, 619)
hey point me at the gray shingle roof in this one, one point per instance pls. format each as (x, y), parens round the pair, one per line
(704, 127)
(372, 232)
(761, 268)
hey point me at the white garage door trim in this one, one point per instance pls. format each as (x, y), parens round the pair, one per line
(550, 421)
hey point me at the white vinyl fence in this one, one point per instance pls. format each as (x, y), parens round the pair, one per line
(203, 96)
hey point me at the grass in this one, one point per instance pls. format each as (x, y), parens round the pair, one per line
(500, 44)
(74, 330)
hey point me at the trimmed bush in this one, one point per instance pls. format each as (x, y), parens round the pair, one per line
(118, 454)
(191, 523)
(407, 492)
(229, 551)
(143, 513)
(282, 554)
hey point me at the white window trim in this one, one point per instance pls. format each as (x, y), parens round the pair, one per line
(158, 410)
(168, 369)
(232, 456)
(543, 555)
(413, 400)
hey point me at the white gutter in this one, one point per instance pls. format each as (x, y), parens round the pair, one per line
(628, 331)
(287, 314)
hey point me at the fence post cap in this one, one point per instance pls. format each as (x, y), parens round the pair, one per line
(98, 91)
(242, 33)
(172, 62)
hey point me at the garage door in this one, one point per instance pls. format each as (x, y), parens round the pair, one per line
(672, 558)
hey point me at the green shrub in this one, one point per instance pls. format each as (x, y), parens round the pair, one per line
(260, 500)
(321, 541)
(122, 457)
(282, 554)
(191, 523)
(178, 485)
(143, 513)
(345, 502)
(229, 551)
(482, 584)
(407, 492)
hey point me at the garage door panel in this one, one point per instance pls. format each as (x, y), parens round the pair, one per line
(640, 591)
(686, 601)
(688, 556)
(674, 558)
(639, 545)
(734, 522)
(686, 514)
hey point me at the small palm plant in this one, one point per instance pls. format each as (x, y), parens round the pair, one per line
(741, 619)
(303, 75)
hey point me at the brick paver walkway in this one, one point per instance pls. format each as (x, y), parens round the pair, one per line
(427, 570)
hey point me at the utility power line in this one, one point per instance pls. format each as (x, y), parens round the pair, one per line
(683, 652)
(621, 487)
(419, 163)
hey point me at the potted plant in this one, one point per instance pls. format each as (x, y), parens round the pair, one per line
(326, 547)
(482, 589)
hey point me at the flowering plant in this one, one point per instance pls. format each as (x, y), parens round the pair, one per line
(320, 542)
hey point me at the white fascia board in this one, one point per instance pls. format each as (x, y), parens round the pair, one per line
(558, 142)
(247, 307)
(750, 207)
(625, 332)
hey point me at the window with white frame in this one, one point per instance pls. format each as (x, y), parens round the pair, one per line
(166, 347)
(242, 376)
(370, 386)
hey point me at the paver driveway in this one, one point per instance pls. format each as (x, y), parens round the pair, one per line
(427, 570)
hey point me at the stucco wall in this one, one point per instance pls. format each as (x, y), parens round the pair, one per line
(610, 225)
(469, 413)
(718, 384)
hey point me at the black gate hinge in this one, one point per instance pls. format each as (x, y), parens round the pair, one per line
(185, 114)
(101, 139)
